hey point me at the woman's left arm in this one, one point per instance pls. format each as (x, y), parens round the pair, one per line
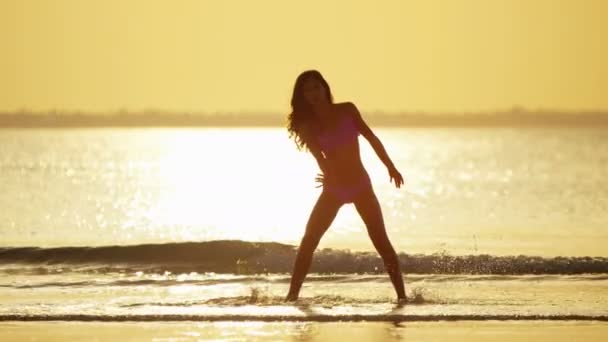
(376, 144)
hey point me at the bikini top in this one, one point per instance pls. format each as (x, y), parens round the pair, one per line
(345, 132)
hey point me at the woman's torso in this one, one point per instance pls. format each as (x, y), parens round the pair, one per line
(338, 139)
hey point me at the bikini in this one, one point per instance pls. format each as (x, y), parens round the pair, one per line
(345, 133)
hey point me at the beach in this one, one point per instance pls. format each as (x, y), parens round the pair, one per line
(538, 331)
(431, 170)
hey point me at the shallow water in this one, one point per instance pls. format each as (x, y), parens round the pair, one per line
(245, 281)
(142, 296)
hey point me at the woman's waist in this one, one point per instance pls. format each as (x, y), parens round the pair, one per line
(347, 176)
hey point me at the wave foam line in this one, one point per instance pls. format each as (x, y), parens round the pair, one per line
(292, 318)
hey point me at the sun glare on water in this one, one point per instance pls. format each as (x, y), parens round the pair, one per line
(233, 183)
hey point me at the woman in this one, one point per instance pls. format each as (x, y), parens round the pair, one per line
(330, 132)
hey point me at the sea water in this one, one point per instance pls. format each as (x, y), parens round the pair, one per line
(201, 223)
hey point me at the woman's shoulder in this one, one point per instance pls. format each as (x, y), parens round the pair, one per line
(348, 105)
(348, 109)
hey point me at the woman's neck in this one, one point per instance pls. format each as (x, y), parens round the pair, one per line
(323, 111)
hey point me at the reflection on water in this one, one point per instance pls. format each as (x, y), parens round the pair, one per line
(468, 190)
(545, 331)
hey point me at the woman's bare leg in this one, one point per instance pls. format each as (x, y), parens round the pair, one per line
(369, 209)
(321, 217)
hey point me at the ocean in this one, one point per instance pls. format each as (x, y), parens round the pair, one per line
(180, 224)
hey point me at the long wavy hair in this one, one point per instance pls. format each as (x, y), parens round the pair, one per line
(301, 111)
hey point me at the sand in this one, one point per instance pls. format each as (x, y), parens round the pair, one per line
(538, 331)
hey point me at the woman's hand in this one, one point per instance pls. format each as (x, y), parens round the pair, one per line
(321, 179)
(394, 174)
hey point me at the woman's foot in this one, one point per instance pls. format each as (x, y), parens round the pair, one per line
(401, 301)
(291, 298)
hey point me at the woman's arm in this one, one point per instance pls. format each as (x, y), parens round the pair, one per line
(315, 149)
(376, 144)
(316, 152)
(322, 177)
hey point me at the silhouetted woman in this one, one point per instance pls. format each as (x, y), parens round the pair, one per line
(330, 132)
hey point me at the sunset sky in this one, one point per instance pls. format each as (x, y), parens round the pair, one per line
(228, 55)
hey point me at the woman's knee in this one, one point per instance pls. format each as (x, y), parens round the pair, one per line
(391, 263)
(386, 251)
(309, 241)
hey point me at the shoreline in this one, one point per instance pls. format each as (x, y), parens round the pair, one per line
(319, 318)
(363, 331)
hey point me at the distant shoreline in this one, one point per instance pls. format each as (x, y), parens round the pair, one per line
(166, 119)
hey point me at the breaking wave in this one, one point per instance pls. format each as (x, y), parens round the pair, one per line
(242, 257)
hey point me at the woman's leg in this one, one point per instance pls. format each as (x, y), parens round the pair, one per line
(369, 209)
(321, 217)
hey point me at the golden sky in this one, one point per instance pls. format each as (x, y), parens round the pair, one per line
(228, 55)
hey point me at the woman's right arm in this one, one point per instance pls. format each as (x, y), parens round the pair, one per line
(314, 148)
(321, 161)
(322, 177)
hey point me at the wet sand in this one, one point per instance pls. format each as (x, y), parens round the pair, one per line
(538, 331)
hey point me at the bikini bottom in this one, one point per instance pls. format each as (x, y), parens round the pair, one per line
(348, 193)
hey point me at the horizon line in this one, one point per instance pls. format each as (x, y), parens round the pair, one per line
(152, 110)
